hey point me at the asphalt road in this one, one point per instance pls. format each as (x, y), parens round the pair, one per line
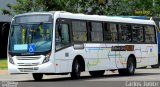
(110, 79)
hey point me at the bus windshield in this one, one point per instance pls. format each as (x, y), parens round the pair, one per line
(30, 37)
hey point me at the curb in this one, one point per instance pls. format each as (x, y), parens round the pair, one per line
(3, 72)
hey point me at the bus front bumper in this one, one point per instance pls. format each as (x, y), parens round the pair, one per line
(43, 68)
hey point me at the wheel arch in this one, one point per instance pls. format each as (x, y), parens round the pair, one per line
(80, 60)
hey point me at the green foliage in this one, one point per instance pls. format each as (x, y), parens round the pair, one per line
(3, 63)
(117, 7)
(129, 7)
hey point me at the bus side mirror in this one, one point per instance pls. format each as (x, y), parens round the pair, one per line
(78, 46)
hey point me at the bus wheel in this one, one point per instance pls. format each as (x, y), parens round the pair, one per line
(96, 73)
(131, 66)
(37, 76)
(76, 70)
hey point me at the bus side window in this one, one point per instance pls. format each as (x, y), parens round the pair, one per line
(110, 32)
(125, 33)
(137, 32)
(96, 32)
(149, 34)
(62, 36)
(79, 29)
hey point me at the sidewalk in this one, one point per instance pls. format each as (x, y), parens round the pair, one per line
(3, 72)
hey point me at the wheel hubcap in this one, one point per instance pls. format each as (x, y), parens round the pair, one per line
(131, 67)
(77, 69)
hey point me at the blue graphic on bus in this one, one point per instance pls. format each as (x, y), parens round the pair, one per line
(31, 48)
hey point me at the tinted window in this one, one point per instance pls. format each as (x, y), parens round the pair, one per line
(79, 31)
(96, 31)
(149, 34)
(125, 33)
(137, 32)
(110, 32)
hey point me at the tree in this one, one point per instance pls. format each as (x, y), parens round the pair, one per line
(20, 7)
(117, 7)
(80, 6)
(134, 7)
(23, 6)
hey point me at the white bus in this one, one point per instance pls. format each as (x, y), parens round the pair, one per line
(48, 43)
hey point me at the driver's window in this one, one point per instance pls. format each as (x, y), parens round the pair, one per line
(62, 36)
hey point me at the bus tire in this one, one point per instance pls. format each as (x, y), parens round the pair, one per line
(131, 66)
(96, 73)
(76, 70)
(37, 76)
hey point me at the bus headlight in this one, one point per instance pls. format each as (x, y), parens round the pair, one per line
(46, 59)
(10, 59)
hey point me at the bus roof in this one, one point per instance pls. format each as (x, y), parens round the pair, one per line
(63, 14)
(105, 18)
(134, 17)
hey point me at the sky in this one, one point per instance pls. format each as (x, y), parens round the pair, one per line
(3, 3)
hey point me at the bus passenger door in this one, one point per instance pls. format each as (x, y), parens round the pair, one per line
(62, 44)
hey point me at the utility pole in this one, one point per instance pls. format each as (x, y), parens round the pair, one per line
(153, 4)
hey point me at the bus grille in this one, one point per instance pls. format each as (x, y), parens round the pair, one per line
(26, 64)
(28, 57)
(34, 69)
